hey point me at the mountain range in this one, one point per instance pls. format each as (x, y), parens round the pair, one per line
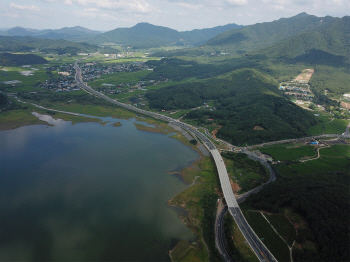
(145, 35)
(292, 36)
(142, 35)
(68, 33)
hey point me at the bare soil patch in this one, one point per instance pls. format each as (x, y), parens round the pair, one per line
(235, 187)
(345, 105)
(305, 75)
(215, 131)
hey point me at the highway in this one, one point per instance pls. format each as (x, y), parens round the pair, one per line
(258, 247)
(220, 238)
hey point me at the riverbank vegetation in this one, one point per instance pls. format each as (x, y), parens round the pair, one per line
(19, 114)
(199, 201)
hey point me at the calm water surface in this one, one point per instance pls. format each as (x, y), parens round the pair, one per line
(88, 192)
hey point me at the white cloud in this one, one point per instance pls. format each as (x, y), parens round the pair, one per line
(25, 7)
(13, 15)
(109, 17)
(91, 10)
(236, 2)
(140, 6)
(188, 6)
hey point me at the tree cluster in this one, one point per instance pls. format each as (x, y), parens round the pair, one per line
(323, 202)
(7, 59)
(244, 99)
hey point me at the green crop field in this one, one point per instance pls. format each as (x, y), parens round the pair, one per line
(179, 114)
(345, 149)
(121, 60)
(302, 168)
(336, 151)
(120, 77)
(286, 152)
(334, 158)
(328, 126)
(264, 231)
(27, 82)
(323, 164)
(337, 126)
(62, 59)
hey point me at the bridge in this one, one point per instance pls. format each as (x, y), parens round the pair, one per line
(253, 240)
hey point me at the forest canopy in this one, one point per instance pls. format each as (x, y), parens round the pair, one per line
(243, 99)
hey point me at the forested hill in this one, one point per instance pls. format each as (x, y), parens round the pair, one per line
(27, 44)
(145, 35)
(331, 41)
(68, 33)
(7, 59)
(261, 35)
(247, 105)
(199, 36)
(140, 35)
(320, 199)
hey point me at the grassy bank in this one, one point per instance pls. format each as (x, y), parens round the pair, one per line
(237, 245)
(198, 200)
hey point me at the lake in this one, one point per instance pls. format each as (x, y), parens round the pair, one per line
(88, 192)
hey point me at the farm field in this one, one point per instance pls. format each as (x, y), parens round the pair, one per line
(328, 125)
(120, 77)
(37, 74)
(333, 158)
(288, 152)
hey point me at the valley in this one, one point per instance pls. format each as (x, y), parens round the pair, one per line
(247, 89)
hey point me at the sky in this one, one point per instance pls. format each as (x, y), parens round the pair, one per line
(182, 15)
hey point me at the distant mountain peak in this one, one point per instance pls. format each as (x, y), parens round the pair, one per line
(146, 25)
(302, 14)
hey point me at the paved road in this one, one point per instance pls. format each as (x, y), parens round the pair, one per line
(220, 236)
(258, 247)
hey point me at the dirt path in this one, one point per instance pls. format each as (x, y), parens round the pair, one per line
(318, 154)
(290, 248)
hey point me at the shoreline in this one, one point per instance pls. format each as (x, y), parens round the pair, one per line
(181, 172)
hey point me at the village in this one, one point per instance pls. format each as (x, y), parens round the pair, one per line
(298, 88)
(91, 71)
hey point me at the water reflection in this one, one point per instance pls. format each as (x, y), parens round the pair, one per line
(87, 192)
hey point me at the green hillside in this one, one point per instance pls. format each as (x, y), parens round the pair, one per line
(246, 104)
(320, 43)
(27, 44)
(68, 33)
(7, 59)
(332, 37)
(145, 35)
(322, 200)
(261, 35)
(199, 36)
